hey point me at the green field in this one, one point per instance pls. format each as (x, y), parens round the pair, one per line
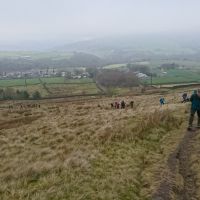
(12, 82)
(189, 74)
(114, 66)
(32, 88)
(177, 76)
(53, 80)
(53, 87)
(59, 86)
(186, 63)
(154, 64)
(61, 80)
(34, 81)
(73, 89)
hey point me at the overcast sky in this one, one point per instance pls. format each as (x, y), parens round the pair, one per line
(56, 19)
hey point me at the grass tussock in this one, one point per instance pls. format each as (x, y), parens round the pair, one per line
(164, 120)
(156, 123)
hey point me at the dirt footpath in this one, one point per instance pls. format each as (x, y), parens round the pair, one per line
(180, 181)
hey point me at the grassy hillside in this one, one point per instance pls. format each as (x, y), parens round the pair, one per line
(86, 150)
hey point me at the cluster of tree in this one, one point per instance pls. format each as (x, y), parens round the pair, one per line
(92, 72)
(117, 78)
(22, 94)
(36, 95)
(77, 60)
(168, 66)
(139, 68)
(10, 93)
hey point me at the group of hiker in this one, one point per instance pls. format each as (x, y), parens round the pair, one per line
(195, 106)
(121, 105)
(185, 98)
(23, 106)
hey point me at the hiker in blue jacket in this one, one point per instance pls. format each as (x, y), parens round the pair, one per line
(195, 107)
(162, 101)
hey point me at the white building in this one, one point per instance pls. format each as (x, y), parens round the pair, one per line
(63, 74)
(141, 75)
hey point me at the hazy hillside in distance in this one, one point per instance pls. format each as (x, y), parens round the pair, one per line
(28, 60)
(145, 45)
(101, 51)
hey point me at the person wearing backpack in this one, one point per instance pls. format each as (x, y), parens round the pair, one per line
(195, 108)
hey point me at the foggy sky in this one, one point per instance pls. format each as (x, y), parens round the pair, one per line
(71, 19)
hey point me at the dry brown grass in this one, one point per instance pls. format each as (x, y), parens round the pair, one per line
(195, 164)
(85, 151)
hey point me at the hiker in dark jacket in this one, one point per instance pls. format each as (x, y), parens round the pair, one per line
(123, 104)
(185, 98)
(195, 99)
(132, 103)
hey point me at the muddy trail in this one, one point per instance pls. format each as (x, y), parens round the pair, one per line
(180, 180)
